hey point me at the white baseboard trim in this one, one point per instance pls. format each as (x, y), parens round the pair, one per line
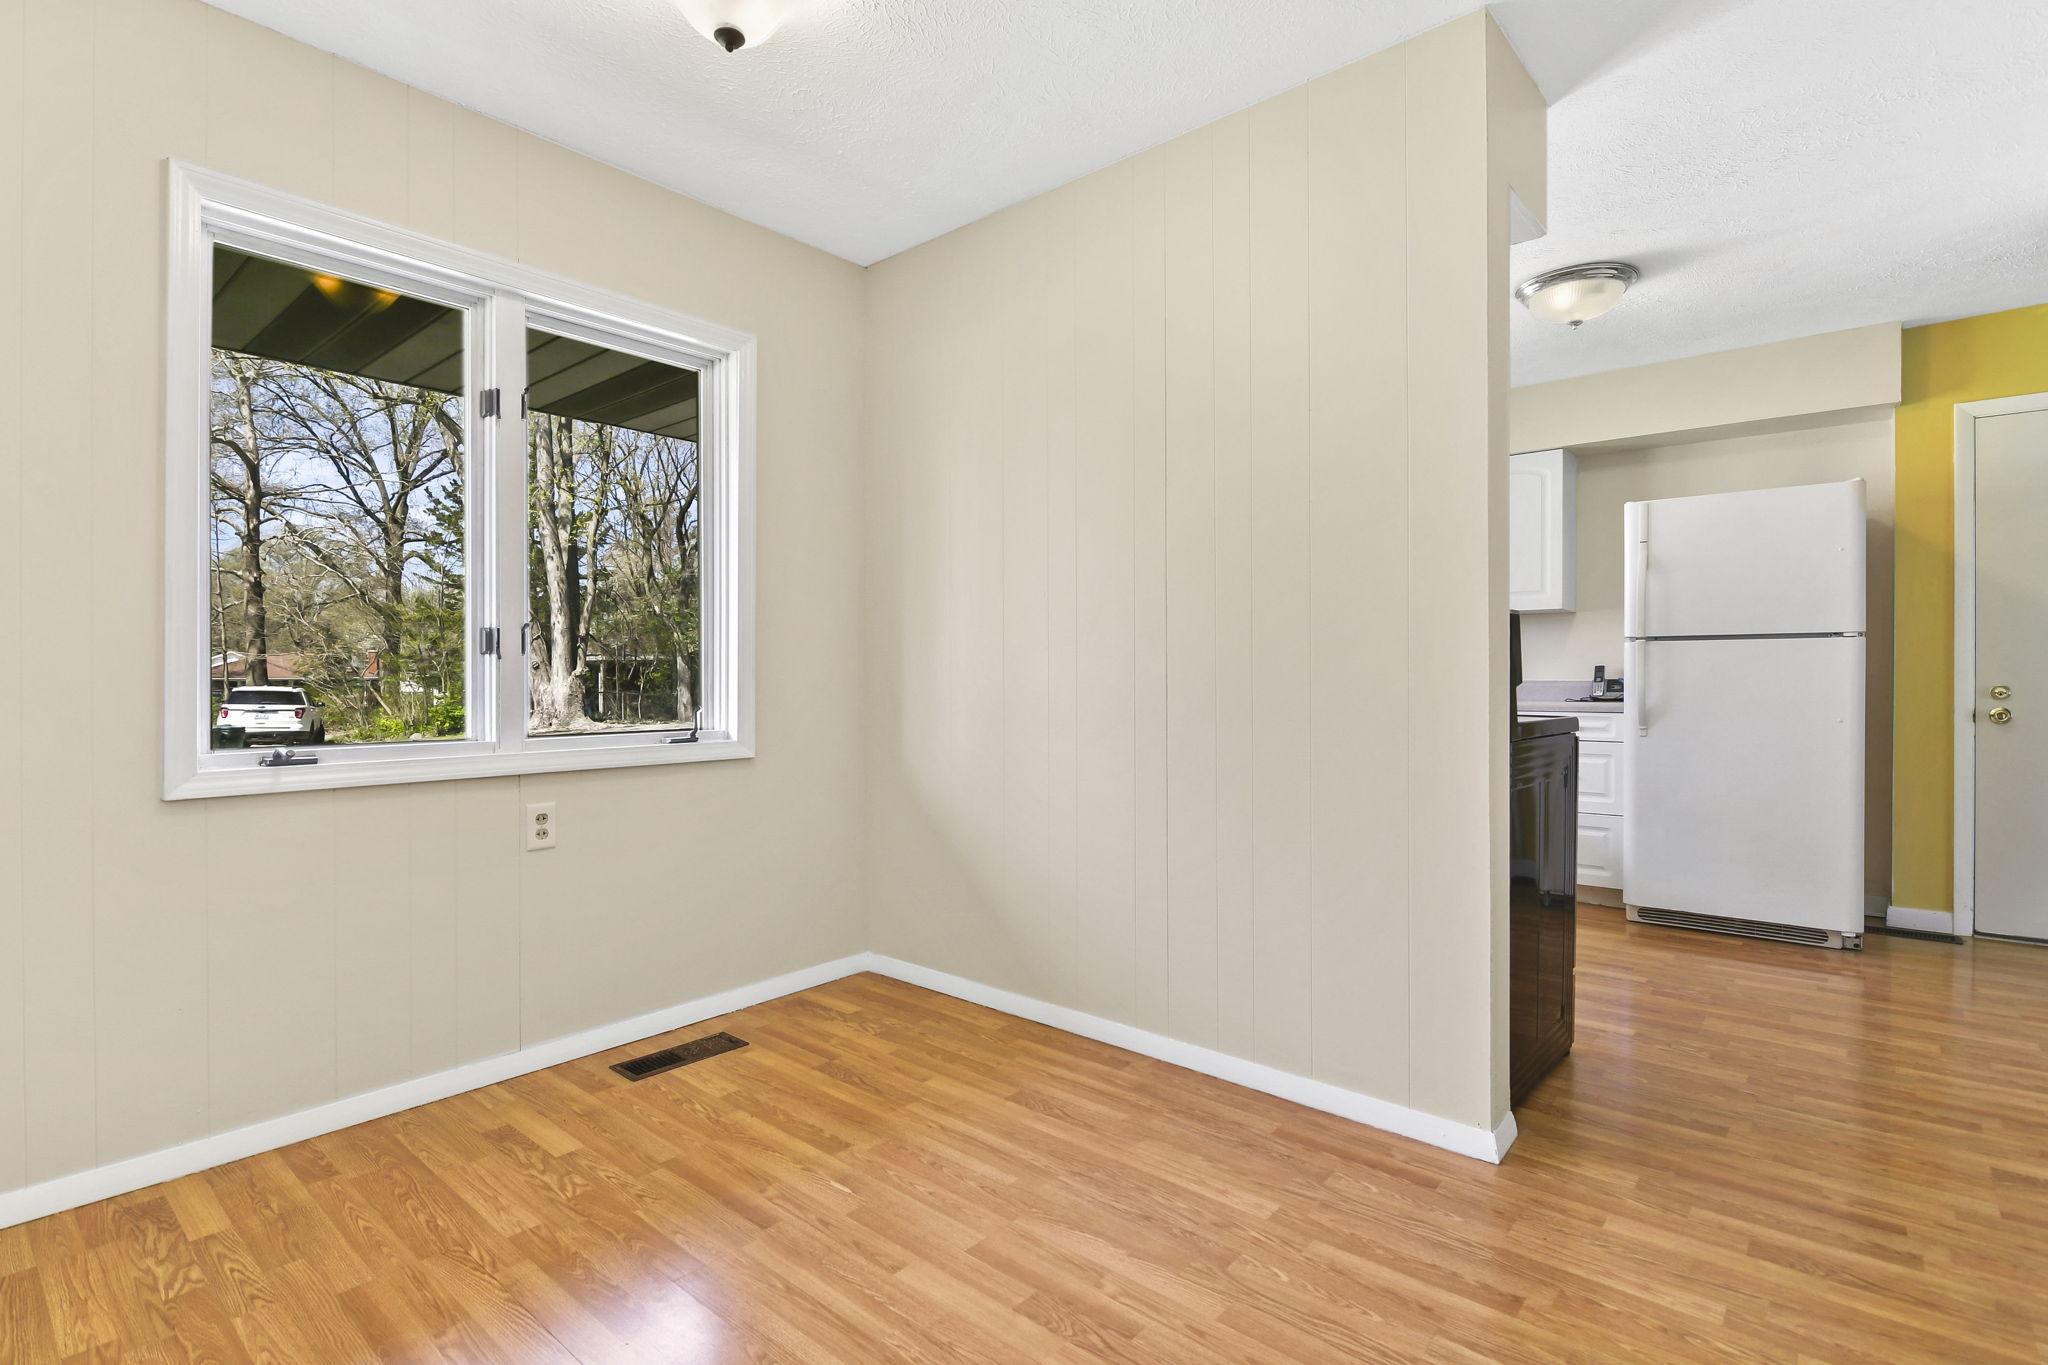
(1925, 921)
(137, 1172)
(1464, 1139)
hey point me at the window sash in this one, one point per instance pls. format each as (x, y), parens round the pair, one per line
(501, 299)
(711, 494)
(480, 563)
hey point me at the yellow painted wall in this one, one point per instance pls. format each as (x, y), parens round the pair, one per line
(1992, 356)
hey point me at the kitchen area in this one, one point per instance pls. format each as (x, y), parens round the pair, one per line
(1700, 567)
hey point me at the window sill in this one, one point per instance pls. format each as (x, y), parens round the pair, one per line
(250, 780)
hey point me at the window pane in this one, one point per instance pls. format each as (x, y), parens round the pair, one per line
(336, 592)
(613, 540)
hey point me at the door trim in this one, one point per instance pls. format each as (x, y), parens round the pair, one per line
(1966, 643)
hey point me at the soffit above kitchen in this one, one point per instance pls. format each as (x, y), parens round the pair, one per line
(1776, 168)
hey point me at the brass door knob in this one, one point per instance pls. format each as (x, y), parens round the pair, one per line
(2000, 715)
(2000, 692)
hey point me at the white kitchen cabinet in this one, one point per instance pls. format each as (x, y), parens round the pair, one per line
(1600, 777)
(1595, 727)
(1603, 783)
(1600, 850)
(1542, 531)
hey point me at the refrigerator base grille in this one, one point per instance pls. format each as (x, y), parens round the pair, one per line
(1746, 928)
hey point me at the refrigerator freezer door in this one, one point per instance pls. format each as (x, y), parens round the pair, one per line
(1776, 561)
(1745, 795)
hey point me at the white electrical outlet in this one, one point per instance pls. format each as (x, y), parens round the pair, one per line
(541, 829)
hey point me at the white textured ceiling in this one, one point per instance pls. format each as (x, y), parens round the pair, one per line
(1780, 168)
(1776, 167)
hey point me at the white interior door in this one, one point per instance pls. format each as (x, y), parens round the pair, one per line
(2011, 731)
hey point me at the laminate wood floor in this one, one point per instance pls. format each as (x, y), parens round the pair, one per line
(1758, 1153)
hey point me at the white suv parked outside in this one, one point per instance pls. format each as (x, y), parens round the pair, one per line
(267, 713)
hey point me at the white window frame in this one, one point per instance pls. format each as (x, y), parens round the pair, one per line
(502, 296)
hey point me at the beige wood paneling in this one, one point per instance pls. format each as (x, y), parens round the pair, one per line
(1062, 559)
(1358, 983)
(150, 895)
(1190, 569)
(14, 682)
(1281, 475)
(366, 173)
(1149, 1006)
(1277, 516)
(57, 770)
(1517, 129)
(1021, 495)
(1236, 936)
(173, 969)
(373, 1006)
(271, 982)
(1105, 773)
(1455, 617)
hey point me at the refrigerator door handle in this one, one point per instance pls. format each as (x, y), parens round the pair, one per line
(1638, 600)
(1639, 684)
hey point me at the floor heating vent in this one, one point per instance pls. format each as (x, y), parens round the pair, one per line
(1924, 935)
(669, 1058)
(1748, 928)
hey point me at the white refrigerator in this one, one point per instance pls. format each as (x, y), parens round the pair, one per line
(1744, 614)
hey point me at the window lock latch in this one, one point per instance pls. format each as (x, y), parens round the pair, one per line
(487, 403)
(487, 641)
(287, 758)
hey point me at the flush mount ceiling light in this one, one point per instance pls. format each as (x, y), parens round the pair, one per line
(1576, 292)
(734, 24)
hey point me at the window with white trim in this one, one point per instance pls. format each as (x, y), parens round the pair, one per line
(433, 514)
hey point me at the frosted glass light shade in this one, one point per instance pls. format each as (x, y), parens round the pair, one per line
(1576, 300)
(734, 24)
(1576, 293)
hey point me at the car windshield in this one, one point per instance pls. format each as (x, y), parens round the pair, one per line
(266, 696)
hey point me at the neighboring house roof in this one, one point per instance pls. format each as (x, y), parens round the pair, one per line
(284, 668)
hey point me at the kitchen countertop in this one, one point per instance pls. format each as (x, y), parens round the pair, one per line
(1560, 696)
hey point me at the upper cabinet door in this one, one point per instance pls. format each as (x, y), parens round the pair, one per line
(1542, 536)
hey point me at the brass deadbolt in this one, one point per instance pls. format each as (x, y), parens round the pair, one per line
(2000, 692)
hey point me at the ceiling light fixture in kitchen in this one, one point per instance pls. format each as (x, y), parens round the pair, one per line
(734, 24)
(1576, 293)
